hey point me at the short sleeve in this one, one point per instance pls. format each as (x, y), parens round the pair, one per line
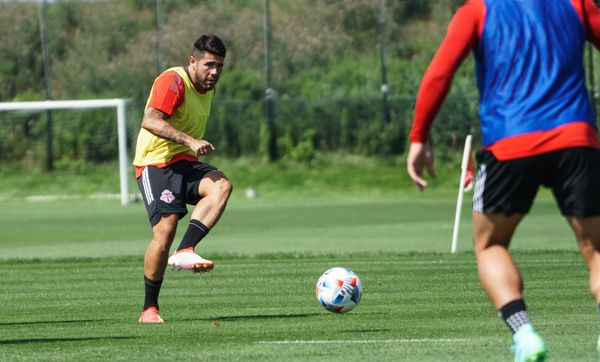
(167, 92)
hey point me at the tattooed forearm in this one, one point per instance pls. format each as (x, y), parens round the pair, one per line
(157, 123)
(170, 133)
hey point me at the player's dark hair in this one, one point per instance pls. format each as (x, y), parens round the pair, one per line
(210, 44)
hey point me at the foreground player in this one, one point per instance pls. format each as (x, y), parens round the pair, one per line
(168, 171)
(538, 129)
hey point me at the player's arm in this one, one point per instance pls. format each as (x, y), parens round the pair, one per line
(167, 95)
(461, 37)
(157, 123)
(590, 17)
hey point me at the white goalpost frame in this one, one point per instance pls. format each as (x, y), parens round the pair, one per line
(118, 103)
(461, 191)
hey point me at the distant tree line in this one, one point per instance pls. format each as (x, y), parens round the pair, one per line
(326, 73)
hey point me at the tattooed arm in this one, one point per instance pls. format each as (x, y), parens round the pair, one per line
(156, 122)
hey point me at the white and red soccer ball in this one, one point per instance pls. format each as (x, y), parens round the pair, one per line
(339, 290)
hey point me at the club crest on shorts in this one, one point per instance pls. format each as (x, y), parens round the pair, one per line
(167, 196)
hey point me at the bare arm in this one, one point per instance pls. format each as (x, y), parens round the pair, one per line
(156, 122)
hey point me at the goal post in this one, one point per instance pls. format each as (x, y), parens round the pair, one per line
(119, 103)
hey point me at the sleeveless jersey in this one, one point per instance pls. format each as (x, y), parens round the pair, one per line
(530, 68)
(191, 117)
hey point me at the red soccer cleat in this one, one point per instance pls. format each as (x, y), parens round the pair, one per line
(187, 259)
(150, 315)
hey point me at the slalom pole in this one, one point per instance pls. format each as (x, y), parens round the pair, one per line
(461, 191)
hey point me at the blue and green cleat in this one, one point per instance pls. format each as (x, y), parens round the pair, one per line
(528, 346)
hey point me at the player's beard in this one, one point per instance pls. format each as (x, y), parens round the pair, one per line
(209, 84)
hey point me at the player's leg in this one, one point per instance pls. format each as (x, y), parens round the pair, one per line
(587, 233)
(498, 274)
(157, 252)
(214, 190)
(211, 190)
(501, 280)
(504, 193)
(165, 205)
(155, 263)
(575, 187)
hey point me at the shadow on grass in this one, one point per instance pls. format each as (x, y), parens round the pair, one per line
(51, 322)
(373, 330)
(56, 340)
(253, 317)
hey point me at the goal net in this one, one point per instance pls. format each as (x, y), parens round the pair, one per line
(20, 129)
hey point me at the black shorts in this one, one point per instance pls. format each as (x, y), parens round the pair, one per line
(167, 190)
(509, 187)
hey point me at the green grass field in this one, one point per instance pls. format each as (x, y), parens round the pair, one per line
(72, 283)
(416, 306)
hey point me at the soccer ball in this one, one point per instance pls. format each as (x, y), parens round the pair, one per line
(339, 290)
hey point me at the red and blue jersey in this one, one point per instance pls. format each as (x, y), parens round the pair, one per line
(529, 67)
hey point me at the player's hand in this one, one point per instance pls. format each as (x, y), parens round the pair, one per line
(202, 147)
(420, 157)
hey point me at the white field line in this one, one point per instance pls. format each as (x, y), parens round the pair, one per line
(368, 341)
(44, 198)
(549, 262)
(451, 262)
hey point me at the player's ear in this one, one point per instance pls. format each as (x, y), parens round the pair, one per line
(192, 60)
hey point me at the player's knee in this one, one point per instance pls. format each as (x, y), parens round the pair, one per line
(219, 188)
(161, 246)
(161, 242)
(224, 189)
(164, 230)
(481, 244)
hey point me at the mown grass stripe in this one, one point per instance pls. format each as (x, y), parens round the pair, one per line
(369, 341)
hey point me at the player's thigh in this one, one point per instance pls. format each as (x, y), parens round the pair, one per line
(215, 183)
(161, 190)
(166, 227)
(200, 180)
(575, 181)
(587, 230)
(494, 229)
(506, 187)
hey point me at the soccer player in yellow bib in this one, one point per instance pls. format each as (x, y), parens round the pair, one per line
(168, 171)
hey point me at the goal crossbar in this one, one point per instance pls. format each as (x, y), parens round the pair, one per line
(118, 103)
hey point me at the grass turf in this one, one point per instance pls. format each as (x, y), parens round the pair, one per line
(72, 285)
(396, 222)
(416, 306)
